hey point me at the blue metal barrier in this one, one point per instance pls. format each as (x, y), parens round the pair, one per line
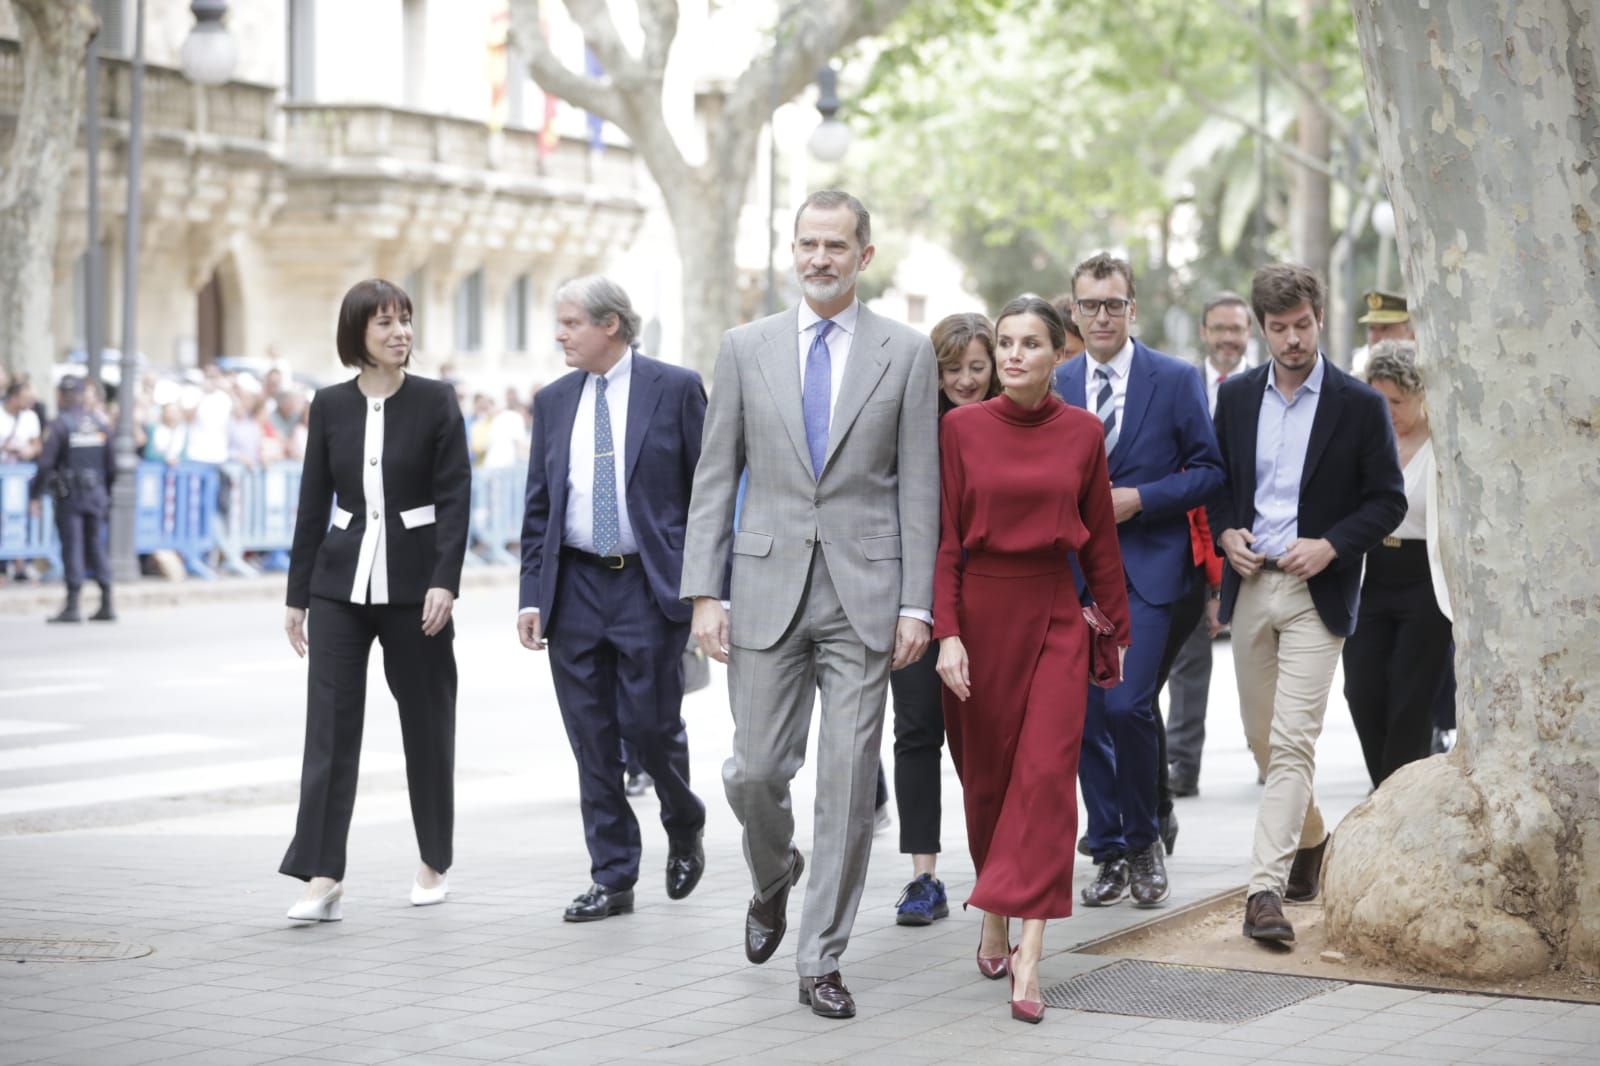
(23, 536)
(177, 510)
(497, 506)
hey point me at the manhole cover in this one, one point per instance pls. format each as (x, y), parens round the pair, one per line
(1185, 993)
(67, 949)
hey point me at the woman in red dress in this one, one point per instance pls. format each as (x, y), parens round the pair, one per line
(1023, 486)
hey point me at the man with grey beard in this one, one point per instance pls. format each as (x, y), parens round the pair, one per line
(831, 411)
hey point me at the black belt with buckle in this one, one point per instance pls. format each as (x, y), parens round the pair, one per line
(602, 562)
(1270, 564)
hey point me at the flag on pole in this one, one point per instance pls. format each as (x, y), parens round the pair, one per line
(498, 65)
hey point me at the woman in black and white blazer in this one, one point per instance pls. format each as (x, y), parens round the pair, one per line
(378, 545)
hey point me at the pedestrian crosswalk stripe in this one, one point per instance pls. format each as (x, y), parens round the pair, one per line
(76, 752)
(47, 690)
(210, 778)
(12, 727)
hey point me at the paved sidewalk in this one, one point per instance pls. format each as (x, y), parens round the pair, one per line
(495, 975)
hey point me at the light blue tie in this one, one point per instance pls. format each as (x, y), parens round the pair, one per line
(607, 526)
(816, 396)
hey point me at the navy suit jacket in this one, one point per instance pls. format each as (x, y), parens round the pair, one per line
(1351, 489)
(1168, 451)
(666, 410)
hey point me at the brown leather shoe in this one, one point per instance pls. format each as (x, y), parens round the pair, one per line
(827, 996)
(767, 920)
(1305, 876)
(1264, 920)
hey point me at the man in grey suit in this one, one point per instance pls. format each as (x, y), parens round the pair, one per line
(831, 410)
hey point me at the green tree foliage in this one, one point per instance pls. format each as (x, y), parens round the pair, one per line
(1031, 133)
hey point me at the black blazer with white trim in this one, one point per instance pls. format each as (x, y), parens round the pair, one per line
(385, 496)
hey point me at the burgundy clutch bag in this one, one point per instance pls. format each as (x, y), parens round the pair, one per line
(1105, 661)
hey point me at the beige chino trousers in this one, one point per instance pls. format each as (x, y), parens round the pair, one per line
(1284, 658)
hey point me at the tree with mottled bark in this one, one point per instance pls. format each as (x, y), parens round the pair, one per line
(1486, 862)
(54, 38)
(703, 199)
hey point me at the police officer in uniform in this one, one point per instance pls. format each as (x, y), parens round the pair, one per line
(76, 467)
(1388, 318)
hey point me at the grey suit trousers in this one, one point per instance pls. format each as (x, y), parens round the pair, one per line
(1188, 692)
(772, 693)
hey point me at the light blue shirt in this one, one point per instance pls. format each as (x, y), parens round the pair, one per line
(1282, 436)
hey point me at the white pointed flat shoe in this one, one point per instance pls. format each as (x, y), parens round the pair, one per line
(330, 908)
(427, 897)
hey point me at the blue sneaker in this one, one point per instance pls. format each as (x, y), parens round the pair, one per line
(923, 902)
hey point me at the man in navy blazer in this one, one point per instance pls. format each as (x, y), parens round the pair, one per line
(615, 444)
(1163, 460)
(1313, 484)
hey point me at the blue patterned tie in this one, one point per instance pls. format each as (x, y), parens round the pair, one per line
(607, 526)
(1105, 407)
(816, 395)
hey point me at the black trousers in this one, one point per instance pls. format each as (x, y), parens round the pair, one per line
(617, 664)
(421, 672)
(1396, 659)
(1187, 610)
(918, 739)
(82, 533)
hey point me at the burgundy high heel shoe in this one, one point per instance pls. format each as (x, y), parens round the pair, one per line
(993, 967)
(1023, 1010)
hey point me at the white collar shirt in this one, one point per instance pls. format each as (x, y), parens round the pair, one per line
(838, 341)
(578, 532)
(1214, 382)
(1118, 369)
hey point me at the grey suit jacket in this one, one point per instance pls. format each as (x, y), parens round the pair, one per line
(875, 509)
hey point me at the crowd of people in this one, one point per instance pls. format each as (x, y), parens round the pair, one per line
(1024, 528)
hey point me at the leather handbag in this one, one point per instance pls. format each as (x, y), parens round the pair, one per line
(1105, 659)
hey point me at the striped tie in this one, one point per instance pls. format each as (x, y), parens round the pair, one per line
(1105, 406)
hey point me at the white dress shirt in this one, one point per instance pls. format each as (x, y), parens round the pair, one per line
(838, 341)
(1120, 365)
(1214, 382)
(578, 532)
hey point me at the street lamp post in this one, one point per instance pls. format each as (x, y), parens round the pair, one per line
(827, 144)
(208, 59)
(1383, 226)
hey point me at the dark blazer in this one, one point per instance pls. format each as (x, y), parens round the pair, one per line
(1351, 490)
(1168, 451)
(666, 410)
(427, 493)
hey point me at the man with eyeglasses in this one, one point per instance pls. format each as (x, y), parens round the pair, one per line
(1163, 461)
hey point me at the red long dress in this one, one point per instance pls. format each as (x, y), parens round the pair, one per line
(1020, 490)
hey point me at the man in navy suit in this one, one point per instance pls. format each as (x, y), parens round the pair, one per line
(612, 461)
(1313, 484)
(1163, 460)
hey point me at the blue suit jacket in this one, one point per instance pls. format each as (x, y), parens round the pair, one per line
(666, 410)
(1168, 451)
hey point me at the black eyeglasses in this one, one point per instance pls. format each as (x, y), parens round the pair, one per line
(1116, 308)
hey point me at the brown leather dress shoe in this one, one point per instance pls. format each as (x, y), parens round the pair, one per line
(1264, 920)
(1305, 876)
(767, 920)
(827, 996)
